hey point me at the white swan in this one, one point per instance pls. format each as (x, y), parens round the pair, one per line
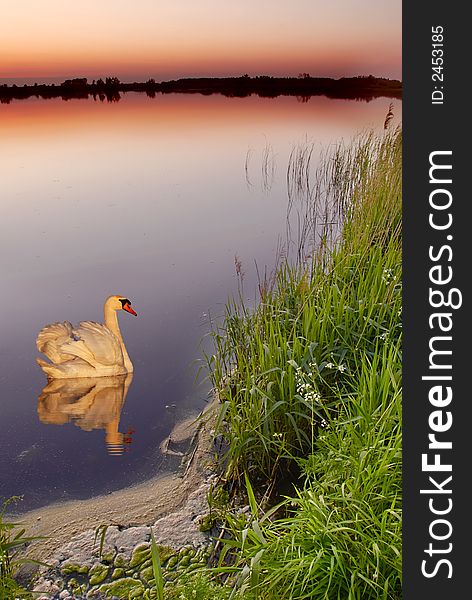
(88, 350)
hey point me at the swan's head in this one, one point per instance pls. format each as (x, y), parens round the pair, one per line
(118, 302)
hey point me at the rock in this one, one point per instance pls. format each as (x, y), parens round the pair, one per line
(118, 573)
(98, 573)
(81, 550)
(69, 567)
(179, 528)
(122, 588)
(76, 587)
(141, 553)
(46, 587)
(126, 540)
(172, 562)
(109, 556)
(147, 574)
(121, 562)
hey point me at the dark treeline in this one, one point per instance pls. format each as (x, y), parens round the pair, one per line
(303, 86)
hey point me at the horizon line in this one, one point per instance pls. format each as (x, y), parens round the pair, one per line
(96, 78)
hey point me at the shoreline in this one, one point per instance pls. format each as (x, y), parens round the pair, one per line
(305, 86)
(134, 506)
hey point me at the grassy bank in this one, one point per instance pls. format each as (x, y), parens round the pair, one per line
(310, 389)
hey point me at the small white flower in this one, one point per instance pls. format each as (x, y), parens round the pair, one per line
(329, 365)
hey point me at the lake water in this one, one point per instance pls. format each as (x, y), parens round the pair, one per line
(152, 198)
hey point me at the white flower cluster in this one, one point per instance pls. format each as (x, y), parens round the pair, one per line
(304, 384)
(388, 275)
(340, 368)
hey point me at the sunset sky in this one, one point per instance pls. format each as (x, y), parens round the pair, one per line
(166, 39)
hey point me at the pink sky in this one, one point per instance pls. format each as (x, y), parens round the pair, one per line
(165, 39)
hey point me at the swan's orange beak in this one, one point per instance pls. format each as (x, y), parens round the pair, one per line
(128, 308)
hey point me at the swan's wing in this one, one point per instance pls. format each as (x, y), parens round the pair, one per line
(75, 367)
(95, 344)
(51, 338)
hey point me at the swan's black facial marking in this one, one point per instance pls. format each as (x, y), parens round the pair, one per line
(126, 305)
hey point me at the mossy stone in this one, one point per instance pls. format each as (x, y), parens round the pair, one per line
(140, 554)
(165, 553)
(185, 561)
(172, 562)
(147, 574)
(146, 564)
(117, 573)
(98, 573)
(108, 557)
(78, 588)
(122, 588)
(70, 567)
(206, 523)
(136, 594)
(121, 562)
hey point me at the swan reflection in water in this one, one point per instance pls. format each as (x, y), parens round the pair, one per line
(90, 403)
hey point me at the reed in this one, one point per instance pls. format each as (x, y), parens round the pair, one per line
(310, 389)
(314, 321)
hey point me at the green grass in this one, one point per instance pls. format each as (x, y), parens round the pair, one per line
(12, 540)
(310, 384)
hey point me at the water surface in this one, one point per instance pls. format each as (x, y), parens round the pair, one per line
(152, 198)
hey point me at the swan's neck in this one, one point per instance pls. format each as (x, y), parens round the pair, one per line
(111, 321)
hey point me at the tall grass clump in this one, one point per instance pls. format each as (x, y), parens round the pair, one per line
(12, 541)
(310, 389)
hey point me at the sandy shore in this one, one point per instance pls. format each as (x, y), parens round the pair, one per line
(141, 504)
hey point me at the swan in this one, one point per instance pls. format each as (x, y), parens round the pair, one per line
(88, 350)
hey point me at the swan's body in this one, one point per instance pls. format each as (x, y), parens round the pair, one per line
(88, 350)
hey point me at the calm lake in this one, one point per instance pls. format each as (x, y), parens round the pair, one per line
(151, 198)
